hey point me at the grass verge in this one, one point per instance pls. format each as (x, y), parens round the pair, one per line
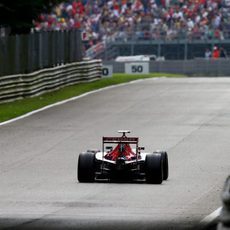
(14, 109)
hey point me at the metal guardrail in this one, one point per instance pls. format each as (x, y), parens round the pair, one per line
(225, 212)
(19, 86)
(182, 49)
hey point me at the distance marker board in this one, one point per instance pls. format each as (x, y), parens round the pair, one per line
(137, 68)
(107, 71)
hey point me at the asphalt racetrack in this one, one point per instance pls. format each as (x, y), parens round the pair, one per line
(188, 117)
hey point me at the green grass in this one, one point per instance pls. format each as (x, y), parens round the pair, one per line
(14, 109)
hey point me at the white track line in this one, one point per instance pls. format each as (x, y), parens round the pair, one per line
(208, 219)
(71, 99)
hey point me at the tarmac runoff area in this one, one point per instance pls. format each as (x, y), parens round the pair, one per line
(188, 117)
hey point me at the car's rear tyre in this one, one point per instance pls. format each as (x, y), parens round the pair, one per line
(154, 168)
(86, 167)
(165, 165)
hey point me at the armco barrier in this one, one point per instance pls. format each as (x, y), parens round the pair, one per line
(225, 212)
(19, 86)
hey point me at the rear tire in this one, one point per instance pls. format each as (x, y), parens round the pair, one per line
(86, 167)
(154, 168)
(165, 165)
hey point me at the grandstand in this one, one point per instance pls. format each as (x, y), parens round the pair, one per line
(176, 29)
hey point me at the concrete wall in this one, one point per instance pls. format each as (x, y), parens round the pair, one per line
(196, 67)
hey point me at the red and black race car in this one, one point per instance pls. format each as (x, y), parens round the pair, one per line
(121, 159)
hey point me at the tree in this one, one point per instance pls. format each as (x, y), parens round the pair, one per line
(19, 14)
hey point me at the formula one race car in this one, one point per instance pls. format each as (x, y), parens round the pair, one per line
(119, 162)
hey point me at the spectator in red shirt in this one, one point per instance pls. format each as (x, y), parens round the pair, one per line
(215, 52)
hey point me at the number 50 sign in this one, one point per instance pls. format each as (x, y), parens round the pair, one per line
(137, 68)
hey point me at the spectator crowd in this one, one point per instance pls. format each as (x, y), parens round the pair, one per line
(101, 20)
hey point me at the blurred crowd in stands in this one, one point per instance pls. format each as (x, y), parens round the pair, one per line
(123, 20)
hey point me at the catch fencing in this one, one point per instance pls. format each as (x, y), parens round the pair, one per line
(19, 86)
(38, 50)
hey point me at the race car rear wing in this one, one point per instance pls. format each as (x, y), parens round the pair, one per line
(123, 139)
(119, 140)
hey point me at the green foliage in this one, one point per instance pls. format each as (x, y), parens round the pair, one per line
(19, 14)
